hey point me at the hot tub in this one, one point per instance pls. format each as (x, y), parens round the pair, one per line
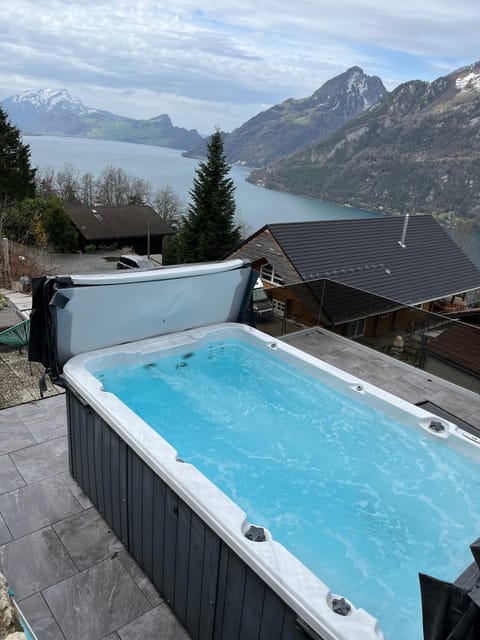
(224, 573)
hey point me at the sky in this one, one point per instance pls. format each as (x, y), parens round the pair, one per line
(216, 63)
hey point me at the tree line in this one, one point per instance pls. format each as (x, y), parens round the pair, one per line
(32, 201)
(113, 187)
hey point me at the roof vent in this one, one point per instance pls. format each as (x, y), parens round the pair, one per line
(404, 232)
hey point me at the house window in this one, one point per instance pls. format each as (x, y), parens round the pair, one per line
(267, 273)
(278, 307)
(356, 329)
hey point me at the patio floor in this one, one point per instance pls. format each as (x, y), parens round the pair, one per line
(400, 379)
(72, 577)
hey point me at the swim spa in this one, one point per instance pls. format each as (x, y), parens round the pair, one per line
(192, 516)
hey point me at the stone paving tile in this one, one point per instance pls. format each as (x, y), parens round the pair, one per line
(377, 372)
(40, 618)
(5, 535)
(474, 418)
(14, 435)
(42, 460)
(87, 538)
(76, 490)
(454, 402)
(96, 602)
(37, 505)
(405, 389)
(10, 479)
(157, 623)
(112, 636)
(140, 578)
(51, 425)
(22, 411)
(35, 562)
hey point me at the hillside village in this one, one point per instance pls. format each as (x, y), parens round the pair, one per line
(392, 301)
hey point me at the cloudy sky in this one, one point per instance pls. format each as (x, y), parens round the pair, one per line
(215, 63)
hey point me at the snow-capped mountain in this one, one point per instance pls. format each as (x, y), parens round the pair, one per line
(56, 112)
(53, 100)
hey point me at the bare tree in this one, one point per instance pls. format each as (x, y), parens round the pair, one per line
(45, 182)
(139, 190)
(87, 188)
(68, 184)
(112, 186)
(168, 205)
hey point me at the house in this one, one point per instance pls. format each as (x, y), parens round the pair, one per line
(454, 355)
(136, 226)
(362, 276)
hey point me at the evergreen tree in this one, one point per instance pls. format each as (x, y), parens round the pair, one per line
(16, 176)
(208, 231)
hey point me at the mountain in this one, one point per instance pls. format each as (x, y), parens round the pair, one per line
(295, 124)
(416, 150)
(56, 112)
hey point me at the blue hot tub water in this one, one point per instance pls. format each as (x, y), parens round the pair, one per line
(364, 502)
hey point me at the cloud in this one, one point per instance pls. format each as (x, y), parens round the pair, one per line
(225, 60)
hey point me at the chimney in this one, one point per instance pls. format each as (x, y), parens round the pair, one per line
(404, 231)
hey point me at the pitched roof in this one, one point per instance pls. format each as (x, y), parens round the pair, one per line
(366, 254)
(98, 222)
(458, 345)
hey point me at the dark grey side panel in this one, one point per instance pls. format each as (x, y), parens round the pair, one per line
(213, 593)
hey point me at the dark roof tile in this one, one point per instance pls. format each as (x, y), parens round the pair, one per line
(458, 345)
(366, 254)
(99, 222)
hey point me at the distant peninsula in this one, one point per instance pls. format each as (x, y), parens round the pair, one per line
(56, 112)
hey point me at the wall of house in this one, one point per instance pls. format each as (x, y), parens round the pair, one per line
(295, 308)
(451, 373)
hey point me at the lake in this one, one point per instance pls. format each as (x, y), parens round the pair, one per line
(161, 167)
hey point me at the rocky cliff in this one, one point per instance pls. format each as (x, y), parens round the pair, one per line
(416, 150)
(296, 124)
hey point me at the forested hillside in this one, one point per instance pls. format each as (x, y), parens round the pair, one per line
(416, 150)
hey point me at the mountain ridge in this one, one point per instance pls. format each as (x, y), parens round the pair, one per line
(293, 124)
(56, 112)
(416, 150)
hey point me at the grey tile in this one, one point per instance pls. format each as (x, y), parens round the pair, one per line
(51, 425)
(37, 505)
(5, 535)
(140, 578)
(112, 636)
(35, 562)
(157, 623)
(96, 602)
(453, 402)
(474, 418)
(10, 479)
(29, 409)
(56, 402)
(77, 491)
(14, 435)
(87, 538)
(42, 460)
(377, 372)
(405, 389)
(40, 618)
